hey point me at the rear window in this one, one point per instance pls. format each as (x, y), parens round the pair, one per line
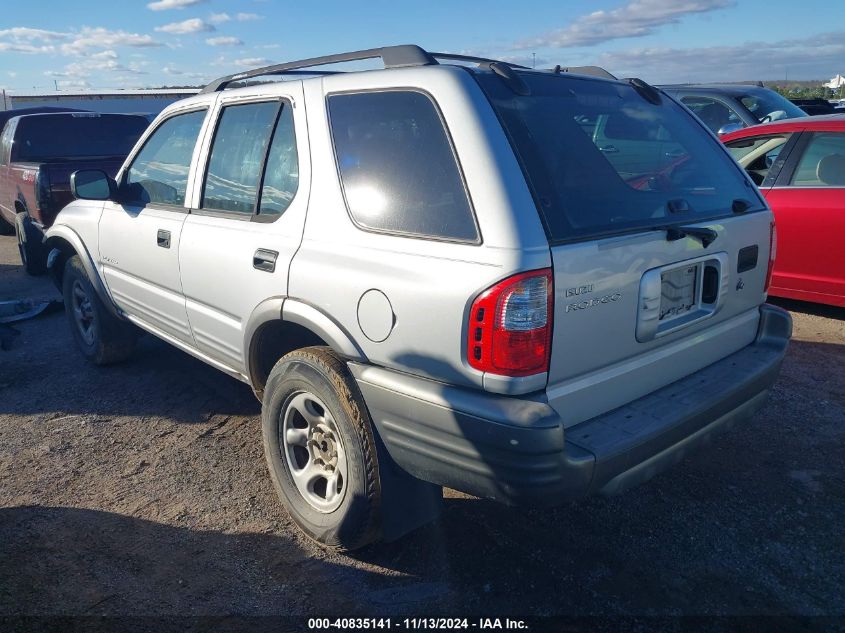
(601, 159)
(45, 138)
(397, 166)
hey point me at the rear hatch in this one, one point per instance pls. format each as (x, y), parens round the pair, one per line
(659, 242)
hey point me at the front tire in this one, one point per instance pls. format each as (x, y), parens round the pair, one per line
(320, 449)
(101, 337)
(32, 251)
(6, 227)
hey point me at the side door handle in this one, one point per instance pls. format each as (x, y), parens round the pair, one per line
(163, 238)
(265, 260)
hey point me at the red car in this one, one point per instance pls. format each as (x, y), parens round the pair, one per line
(799, 165)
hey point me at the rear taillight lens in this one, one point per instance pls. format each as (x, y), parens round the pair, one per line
(510, 326)
(773, 251)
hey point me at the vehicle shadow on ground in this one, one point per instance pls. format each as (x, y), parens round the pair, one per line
(158, 380)
(727, 531)
(677, 544)
(59, 561)
(817, 309)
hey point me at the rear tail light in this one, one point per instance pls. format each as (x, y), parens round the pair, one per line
(773, 251)
(510, 326)
(42, 194)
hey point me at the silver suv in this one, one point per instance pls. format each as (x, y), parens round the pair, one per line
(525, 285)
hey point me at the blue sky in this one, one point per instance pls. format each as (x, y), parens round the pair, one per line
(143, 43)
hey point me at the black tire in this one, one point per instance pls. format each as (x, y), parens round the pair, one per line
(32, 250)
(6, 227)
(318, 371)
(106, 339)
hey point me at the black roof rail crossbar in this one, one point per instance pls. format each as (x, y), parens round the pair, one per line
(592, 71)
(391, 56)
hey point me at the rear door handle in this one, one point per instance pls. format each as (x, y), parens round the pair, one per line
(265, 260)
(163, 238)
(609, 149)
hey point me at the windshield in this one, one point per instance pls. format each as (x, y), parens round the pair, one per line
(601, 159)
(45, 138)
(767, 105)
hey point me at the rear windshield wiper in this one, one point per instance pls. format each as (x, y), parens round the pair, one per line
(677, 232)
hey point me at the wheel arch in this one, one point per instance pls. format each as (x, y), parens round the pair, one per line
(281, 325)
(63, 243)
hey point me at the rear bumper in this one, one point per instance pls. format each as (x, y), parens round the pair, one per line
(515, 450)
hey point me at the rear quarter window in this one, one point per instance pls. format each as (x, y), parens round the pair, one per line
(397, 167)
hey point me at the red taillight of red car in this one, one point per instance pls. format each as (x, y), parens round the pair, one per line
(773, 251)
(510, 325)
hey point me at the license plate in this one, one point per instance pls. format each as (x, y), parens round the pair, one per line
(678, 292)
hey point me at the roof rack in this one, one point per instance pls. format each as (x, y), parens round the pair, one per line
(592, 71)
(392, 57)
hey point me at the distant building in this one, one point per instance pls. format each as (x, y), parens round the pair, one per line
(835, 83)
(124, 101)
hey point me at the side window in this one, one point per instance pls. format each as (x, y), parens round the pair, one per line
(281, 176)
(397, 166)
(757, 154)
(714, 114)
(823, 162)
(159, 173)
(237, 156)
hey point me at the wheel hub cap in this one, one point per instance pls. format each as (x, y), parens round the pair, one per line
(83, 312)
(314, 452)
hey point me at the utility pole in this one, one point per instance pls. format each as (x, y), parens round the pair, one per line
(533, 60)
(56, 84)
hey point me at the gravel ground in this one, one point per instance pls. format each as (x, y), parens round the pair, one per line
(142, 489)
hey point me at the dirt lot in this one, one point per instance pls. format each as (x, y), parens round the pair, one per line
(142, 489)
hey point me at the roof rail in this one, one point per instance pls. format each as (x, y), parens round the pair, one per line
(392, 57)
(477, 60)
(592, 71)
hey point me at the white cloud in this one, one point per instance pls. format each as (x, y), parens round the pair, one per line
(749, 61)
(219, 18)
(109, 54)
(251, 62)
(97, 64)
(95, 38)
(246, 17)
(637, 18)
(74, 84)
(23, 34)
(165, 5)
(224, 41)
(11, 47)
(22, 39)
(193, 25)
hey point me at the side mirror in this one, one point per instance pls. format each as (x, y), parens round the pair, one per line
(727, 128)
(92, 184)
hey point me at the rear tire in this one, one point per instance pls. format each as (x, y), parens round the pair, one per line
(320, 449)
(30, 246)
(102, 338)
